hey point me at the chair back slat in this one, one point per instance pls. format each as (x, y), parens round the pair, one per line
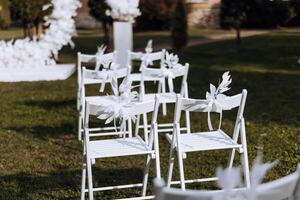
(279, 189)
(135, 108)
(200, 105)
(91, 58)
(86, 58)
(156, 72)
(154, 56)
(103, 74)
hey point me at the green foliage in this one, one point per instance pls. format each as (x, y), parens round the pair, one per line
(255, 13)
(233, 12)
(5, 19)
(28, 11)
(155, 14)
(179, 26)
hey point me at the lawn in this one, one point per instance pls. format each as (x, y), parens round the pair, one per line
(41, 157)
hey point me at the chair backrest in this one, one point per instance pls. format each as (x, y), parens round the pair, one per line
(154, 56)
(91, 58)
(280, 189)
(202, 105)
(171, 74)
(132, 109)
(102, 77)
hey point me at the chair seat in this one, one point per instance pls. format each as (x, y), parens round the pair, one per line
(204, 141)
(118, 147)
(169, 97)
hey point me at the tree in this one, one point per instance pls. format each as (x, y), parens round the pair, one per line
(179, 26)
(155, 14)
(233, 12)
(97, 10)
(5, 19)
(30, 13)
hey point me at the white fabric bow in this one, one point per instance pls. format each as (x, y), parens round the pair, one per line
(214, 96)
(119, 109)
(146, 58)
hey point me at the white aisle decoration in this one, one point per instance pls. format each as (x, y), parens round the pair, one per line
(123, 13)
(33, 60)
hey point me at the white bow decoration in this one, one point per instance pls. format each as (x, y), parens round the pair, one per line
(123, 10)
(214, 96)
(171, 63)
(146, 58)
(118, 109)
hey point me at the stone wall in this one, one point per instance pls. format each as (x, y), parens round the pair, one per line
(205, 14)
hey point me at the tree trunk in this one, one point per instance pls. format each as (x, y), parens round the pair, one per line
(107, 27)
(238, 33)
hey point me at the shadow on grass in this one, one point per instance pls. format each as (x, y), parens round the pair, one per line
(51, 104)
(44, 132)
(64, 183)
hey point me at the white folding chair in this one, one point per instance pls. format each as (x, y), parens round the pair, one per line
(210, 140)
(280, 189)
(129, 146)
(152, 57)
(91, 59)
(166, 97)
(100, 77)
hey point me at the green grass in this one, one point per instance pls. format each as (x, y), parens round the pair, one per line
(41, 158)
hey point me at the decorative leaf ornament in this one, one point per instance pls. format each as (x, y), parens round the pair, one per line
(217, 94)
(146, 58)
(123, 10)
(171, 60)
(29, 54)
(99, 54)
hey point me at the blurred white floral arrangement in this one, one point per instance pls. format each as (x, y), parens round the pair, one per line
(123, 10)
(229, 179)
(26, 53)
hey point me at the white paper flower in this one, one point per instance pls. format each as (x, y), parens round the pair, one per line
(28, 54)
(216, 94)
(123, 10)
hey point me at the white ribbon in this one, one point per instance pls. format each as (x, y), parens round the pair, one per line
(107, 76)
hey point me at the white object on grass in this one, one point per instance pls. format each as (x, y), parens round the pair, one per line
(25, 55)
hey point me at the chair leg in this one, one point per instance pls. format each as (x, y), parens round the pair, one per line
(164, 105)
(129, 127)
(188, 121)
(146, 175)
(245, 163)
(145, 119)
(90, 179)
(83, 182)
(231, 158)
(137, 123)
(171, 167)
(181, 170)
(80, 121)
